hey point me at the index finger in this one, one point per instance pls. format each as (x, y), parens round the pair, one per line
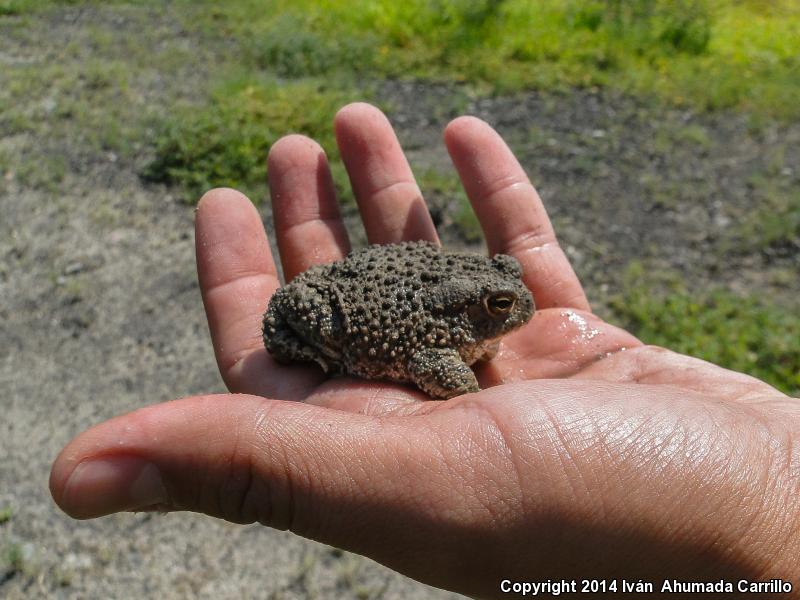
(511, 213)
(237, 277)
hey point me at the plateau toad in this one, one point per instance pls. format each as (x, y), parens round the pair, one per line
(401, 312)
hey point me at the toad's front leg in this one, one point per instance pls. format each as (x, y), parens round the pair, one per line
(441, 373)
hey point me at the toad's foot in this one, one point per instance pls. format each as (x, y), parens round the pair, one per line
(441, 373)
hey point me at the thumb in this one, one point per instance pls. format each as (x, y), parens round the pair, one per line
(237, 457)
(385, 487)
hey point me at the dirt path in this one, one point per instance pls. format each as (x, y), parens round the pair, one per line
(100, 311)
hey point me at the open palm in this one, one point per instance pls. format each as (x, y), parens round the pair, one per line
(586, 453)
(238, 274)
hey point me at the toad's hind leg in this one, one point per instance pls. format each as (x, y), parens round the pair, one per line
(441, 373)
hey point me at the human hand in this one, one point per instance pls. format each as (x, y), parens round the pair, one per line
(587, 455)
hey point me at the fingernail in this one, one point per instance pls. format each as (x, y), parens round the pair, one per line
(103, 486)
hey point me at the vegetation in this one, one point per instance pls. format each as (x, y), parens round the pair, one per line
(16, 7)
(706, 53)
(225, 143)
(774, 220)
(746, 334)
(12, 559)
(268, 67)
(712, 54)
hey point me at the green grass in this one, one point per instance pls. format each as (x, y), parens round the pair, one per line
(749, 334)
(711, 54)
(773, 222)
(225, 143)
(15, 8)
(720, 54)
(315, 53)
(770, 222)
(778, 224)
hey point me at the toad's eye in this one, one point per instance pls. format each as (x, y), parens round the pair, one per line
(500, 304)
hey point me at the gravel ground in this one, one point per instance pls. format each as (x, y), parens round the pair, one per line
(100, 312)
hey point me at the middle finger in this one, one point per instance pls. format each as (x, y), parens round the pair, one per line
(388, 197)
